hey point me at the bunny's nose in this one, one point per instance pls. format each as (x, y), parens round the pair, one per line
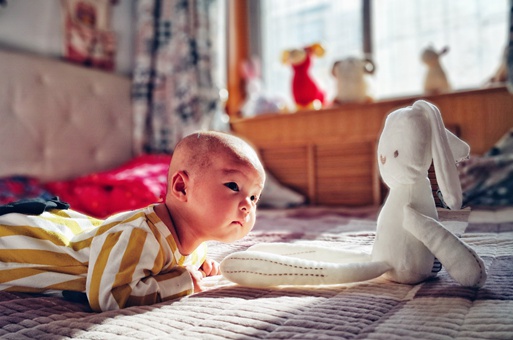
(382, 159)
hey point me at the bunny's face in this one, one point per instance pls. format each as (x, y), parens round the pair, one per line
(404, 149)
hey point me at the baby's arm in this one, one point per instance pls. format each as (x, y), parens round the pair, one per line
(196, 277)
(124, 270)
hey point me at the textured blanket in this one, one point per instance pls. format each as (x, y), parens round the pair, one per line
(487, 181)
(377, 309)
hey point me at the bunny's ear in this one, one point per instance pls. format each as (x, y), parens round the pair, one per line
(460, 149)
(444, 156)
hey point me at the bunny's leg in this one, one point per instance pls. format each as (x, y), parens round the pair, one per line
(311, 252)
(262, 269)
(460, 261)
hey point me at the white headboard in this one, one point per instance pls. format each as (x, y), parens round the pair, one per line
(59, 120)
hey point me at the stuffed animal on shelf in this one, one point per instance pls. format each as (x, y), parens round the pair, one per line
(409, 236)
(307, 94)
(435, 81)
(257, 101)
(350, 74)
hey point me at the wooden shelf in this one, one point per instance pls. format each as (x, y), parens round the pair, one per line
(329, 155)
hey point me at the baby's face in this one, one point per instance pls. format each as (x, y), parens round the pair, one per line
(225, 198)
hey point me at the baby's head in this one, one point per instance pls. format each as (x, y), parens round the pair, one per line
(215, 181)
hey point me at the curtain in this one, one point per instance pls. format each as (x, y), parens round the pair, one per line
(173, 89)
(510, 49)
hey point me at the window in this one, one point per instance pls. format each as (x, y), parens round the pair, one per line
(296, 23)
(475, 31)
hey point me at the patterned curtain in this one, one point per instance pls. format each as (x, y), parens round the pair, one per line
(173, 89)
(510, 49)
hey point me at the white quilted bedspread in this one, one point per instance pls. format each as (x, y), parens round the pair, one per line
(377, 309)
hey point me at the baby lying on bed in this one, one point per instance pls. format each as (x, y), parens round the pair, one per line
(144, 256)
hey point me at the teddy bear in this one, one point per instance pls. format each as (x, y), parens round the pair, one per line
(410, 242)
(352, 86)
(307, 94)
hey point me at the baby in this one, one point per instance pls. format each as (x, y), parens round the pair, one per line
(144, 256)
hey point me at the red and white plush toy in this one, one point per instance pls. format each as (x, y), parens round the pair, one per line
(409, 235)
(307, 94)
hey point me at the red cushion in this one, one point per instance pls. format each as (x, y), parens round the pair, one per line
(135, 184)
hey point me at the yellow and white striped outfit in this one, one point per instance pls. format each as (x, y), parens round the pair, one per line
(128, 259)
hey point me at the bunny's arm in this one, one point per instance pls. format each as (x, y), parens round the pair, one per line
(460, 261)
(263, 269)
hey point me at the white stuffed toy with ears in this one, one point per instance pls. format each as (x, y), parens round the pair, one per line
(409, 235)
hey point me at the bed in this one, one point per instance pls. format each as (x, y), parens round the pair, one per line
(67, 125)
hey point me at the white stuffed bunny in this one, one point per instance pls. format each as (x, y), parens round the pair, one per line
(408, 237)
(436, 81)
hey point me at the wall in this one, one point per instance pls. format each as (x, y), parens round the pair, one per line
(36, 26)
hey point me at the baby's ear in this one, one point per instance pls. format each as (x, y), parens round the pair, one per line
(178, 186)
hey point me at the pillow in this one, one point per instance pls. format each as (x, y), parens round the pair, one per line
(15, 188)
(135, 184)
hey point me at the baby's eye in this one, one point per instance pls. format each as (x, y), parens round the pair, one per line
(232, 186)
(254, 198)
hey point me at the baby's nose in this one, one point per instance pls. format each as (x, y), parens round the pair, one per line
(245, 205)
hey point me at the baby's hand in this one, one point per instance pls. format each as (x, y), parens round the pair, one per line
(210, 267)
(196, 276)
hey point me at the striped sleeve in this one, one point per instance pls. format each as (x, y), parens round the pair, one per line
(124, 270)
